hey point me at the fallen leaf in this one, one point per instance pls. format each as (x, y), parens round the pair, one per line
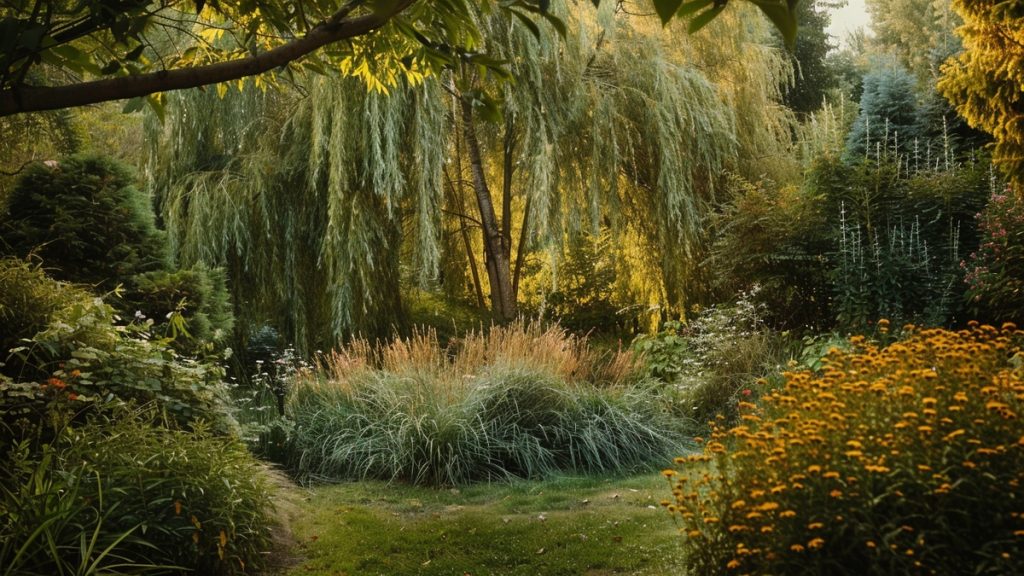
(541, 551)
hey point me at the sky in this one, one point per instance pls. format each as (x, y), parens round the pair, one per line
(848, 18)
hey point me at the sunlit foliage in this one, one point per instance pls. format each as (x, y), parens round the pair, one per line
(309, 200)
(905, 458)
(986, 82)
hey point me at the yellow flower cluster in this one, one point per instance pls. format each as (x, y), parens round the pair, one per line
(900, 459)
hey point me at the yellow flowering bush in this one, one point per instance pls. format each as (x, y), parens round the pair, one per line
(904, 459)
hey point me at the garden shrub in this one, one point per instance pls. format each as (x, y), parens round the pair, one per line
(66, 341)
(898, 233)
(199, 295)
(882, 237)
(515, 402)
(130, 494)
(665, 352)
(907, 459)
(711, 363)
(91, 487)
(582, 296)
(995, 272)
(28, 302)
(259, 397)
(775, 237)
(86, 221)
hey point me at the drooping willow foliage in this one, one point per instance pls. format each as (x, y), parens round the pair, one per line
(626, 126)
(301, 198)
(318, 200)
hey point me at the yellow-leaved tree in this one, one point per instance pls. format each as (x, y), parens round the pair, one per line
(986, 81)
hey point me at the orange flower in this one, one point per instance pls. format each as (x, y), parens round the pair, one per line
(56, 383)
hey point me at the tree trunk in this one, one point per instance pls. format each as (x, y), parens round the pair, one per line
(497, 252)
(456, 196)
(521, 249)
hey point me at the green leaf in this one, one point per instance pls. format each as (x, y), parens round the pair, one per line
(486, 107)
(704, 18)
(556, 23)
(782, 13)
(666, 9)
(490, 65)
(689, 8)
(134, 105)
(156, 104)
(70, 53)
(386, 7)
(32, 38)
(526, 21)
(135, 53)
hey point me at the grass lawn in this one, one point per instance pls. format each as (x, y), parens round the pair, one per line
(591, 526)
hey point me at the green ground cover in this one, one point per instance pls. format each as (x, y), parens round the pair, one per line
(593, 526)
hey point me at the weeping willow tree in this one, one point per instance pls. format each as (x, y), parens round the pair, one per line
(302, 197)
(316, 200)
(620, 125)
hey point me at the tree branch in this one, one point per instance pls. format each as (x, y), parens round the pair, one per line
(334, 29)
(462, 216)
(18, 171)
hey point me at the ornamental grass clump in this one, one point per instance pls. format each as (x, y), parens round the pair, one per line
(519, 401)
(907, 459)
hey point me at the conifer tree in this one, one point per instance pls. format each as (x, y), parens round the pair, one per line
(986, 82)
(888, 112)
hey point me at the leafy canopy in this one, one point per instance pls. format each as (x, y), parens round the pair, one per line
(99, 50)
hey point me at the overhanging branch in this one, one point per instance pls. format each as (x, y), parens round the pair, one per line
(334, 29)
